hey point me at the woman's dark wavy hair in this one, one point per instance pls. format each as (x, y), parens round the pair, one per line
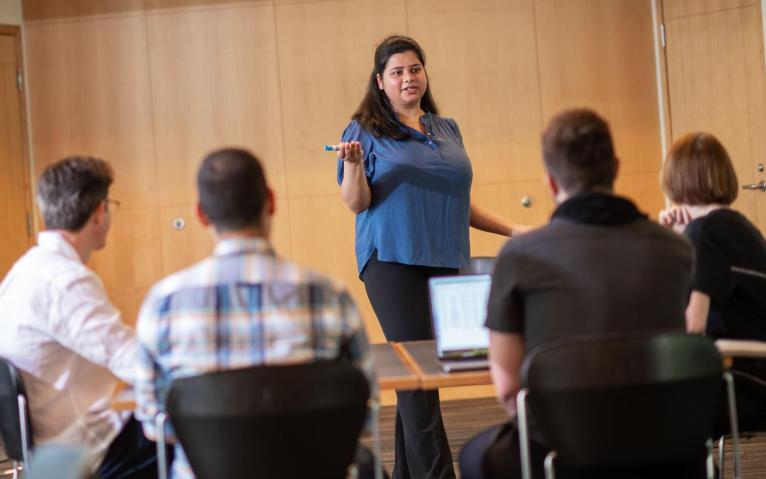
(374, 113)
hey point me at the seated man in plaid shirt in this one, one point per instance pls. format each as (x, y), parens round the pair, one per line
(286, 306)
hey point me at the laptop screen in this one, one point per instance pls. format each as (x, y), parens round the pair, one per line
(458, 311)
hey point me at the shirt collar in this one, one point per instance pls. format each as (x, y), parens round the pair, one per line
(235, 246)
(426, 119)
(598, 209)
(55, 242)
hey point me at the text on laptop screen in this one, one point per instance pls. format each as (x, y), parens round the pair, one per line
(459, 310)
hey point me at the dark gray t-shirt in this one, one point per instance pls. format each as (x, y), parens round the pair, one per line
(599, 267)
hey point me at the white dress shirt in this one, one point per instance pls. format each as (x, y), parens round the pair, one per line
(60, 330)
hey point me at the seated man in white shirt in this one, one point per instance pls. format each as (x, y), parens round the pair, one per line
(61, 331)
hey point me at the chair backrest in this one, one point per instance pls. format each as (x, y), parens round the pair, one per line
(11, 386)
(293, 421)
(620, 401)
(479, 265)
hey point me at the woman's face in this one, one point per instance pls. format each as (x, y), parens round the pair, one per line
(404, 80)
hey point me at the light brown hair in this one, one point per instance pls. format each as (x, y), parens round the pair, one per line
(698, 171)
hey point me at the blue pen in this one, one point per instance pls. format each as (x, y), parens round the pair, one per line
(331, 148)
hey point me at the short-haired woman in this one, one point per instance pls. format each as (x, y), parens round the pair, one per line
(404, 172)
(728, 298)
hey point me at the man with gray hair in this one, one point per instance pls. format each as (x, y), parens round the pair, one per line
(62, 332)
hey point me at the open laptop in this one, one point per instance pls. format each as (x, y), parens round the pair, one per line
(458, 312)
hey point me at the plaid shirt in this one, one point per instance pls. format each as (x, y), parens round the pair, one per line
(241, 307)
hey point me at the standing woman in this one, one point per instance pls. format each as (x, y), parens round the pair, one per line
(405, 173)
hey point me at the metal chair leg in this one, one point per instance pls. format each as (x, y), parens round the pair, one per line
(15, 470)
(549, 472)
(721, 455)
(731, 397)
(709, 464)
(521, 411)
(22, 403)
(162, 458)
(375, 416)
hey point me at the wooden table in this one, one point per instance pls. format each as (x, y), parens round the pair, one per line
(420, 356)
(737, 348)
(392, 371)
(413, 365)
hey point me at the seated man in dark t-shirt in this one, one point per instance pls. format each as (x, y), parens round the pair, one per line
(599, 267)
(728, 298)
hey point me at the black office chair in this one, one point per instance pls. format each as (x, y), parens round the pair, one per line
(612, 403)
(755, 387)
(60, 462)
(479, 265)
(15, 427)
(284, 422)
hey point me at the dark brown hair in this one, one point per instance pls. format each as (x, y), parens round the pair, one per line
(232, 189)
(698, 171)
(69, 190)
(374, 113)
(578, 151)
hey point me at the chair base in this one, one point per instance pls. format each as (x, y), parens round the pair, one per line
(10, 468)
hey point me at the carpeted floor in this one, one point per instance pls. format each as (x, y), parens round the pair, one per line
(464, 418)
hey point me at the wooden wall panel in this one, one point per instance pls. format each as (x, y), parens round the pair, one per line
(600, 54)
(325, 58)
(214, 84)
(505, 199)
(482, 63)
(710, 88)
(182, 248)
(685, 8)
(52, 10)
(90, 94)
(187, 5)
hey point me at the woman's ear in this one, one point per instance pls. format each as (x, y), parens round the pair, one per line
(380, 81)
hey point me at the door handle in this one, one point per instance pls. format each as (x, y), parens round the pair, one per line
(756, 186)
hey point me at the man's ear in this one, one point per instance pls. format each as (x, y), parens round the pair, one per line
(97, 217)
(552, 185)
(616, 167)
(271, 202)
(202, 217)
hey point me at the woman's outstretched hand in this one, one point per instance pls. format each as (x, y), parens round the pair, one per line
(350, 151)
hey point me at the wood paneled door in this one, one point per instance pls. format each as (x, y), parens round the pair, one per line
(15, 205)
(717, 83)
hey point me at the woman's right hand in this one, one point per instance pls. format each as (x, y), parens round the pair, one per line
(675, 217)
(354, 189)
(350, 152)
